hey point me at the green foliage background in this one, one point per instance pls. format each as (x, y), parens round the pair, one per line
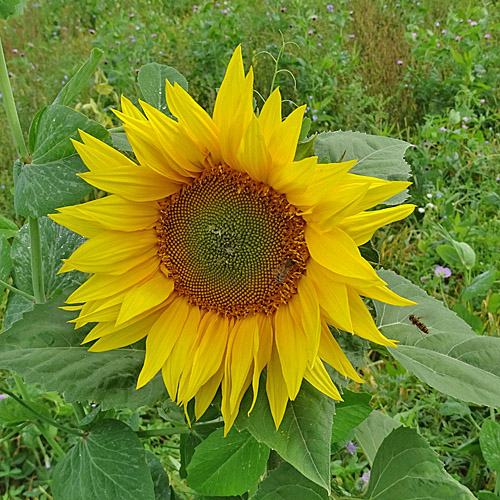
(425, 72)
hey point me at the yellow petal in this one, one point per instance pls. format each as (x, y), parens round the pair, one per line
(276, 388)
(132, 182)
(360, 227)
(194, 119)
(293, 179)
(207, 393)
(362, 320)
(319, 378)
(270, 115)
(383, 294)
(332, 295)
(143, 297)
(291, 344)
(283, 142)
(82, 226)
(113, 252)
(263, 344)
(176, 362)
(336, 251)
(129, 109)
(253, 156)
(331, 353)
(162, 336)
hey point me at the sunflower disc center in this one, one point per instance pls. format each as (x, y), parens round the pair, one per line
(232, 244)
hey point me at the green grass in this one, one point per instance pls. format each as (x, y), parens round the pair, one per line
(443, 97)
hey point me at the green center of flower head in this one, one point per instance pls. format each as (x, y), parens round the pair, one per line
(232, 244)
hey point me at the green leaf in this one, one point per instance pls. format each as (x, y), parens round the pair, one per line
(110, 461)
(406, 468)
(449, 255)
(305, 149)
(5, 262)
(120, 141)
(304, 129)
(466, 254)
(451, 358)
(11, 412)
(57, 243)
(471, 319)
(305, 433)
(286, 483)
(489, 440)
(494, 302)
(55, 126)
(81, 78)
(152, 78)
(11, 8)
(227, 465)
(372, 431)
(45, 349)
(457, 57)
(350, 413)
(7, 227)
(377, 156)
(160, 478)
(369, 253)
(50, 181)
(479, 285)
(487, 495)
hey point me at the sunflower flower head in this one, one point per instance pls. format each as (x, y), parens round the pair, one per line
(225, 253)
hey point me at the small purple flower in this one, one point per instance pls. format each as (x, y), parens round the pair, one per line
(11, 74)
(438, 44)
(132, 37)
(283, 9)
(465, 118)
(365, 477)
(439, 195)
(400, 61)
(458, 37)
(47, 463)
(224, 11)
(487, 35)
(14, 51)
(3, 396)
(483, 101)
(473, 23)
(131, 16)
(195, 8)
(443, 129)
(154, 35)
(91, 31)
(314, 18)
(437, 23)
(31, 44)
(352, 36)
(443, 32)
(21, 54)
(310, 32)
(414, 34)
(314, 117)
(350, 447)
(442, 272)
(464, 126)
(117, 42)
(319, 44)
(351, 12)
(329, 7)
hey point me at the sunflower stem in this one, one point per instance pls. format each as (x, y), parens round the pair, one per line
(36, 261)
(16, 290)
(10, 108)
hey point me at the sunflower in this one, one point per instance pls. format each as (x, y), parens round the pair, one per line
(224, 252)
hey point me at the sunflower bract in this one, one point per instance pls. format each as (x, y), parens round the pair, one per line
(225, 253)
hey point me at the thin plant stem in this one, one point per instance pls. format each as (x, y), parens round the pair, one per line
(36, 261)
(10, 108)
(79, 411)
(442, 293)
(16, 290)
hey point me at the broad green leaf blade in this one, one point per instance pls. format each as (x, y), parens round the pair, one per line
(160, 478)
(152, 78)
(305, 433)
(16, 307)
(108, 463)
(451, 358)
(41, 189)
(45, 349)
(305, 149)
(54, 128)
(7, 227)
(377, 156)
(487, 495)
(350, 413)
(489, 440)
(372, 431)
(11, 412)
(479, 285)
(227, 465)
(81, 78)
(286, 483)
(406, 468)
(12, 8)
(120, 141)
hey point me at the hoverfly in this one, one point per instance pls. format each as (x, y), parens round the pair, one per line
(418, 323)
